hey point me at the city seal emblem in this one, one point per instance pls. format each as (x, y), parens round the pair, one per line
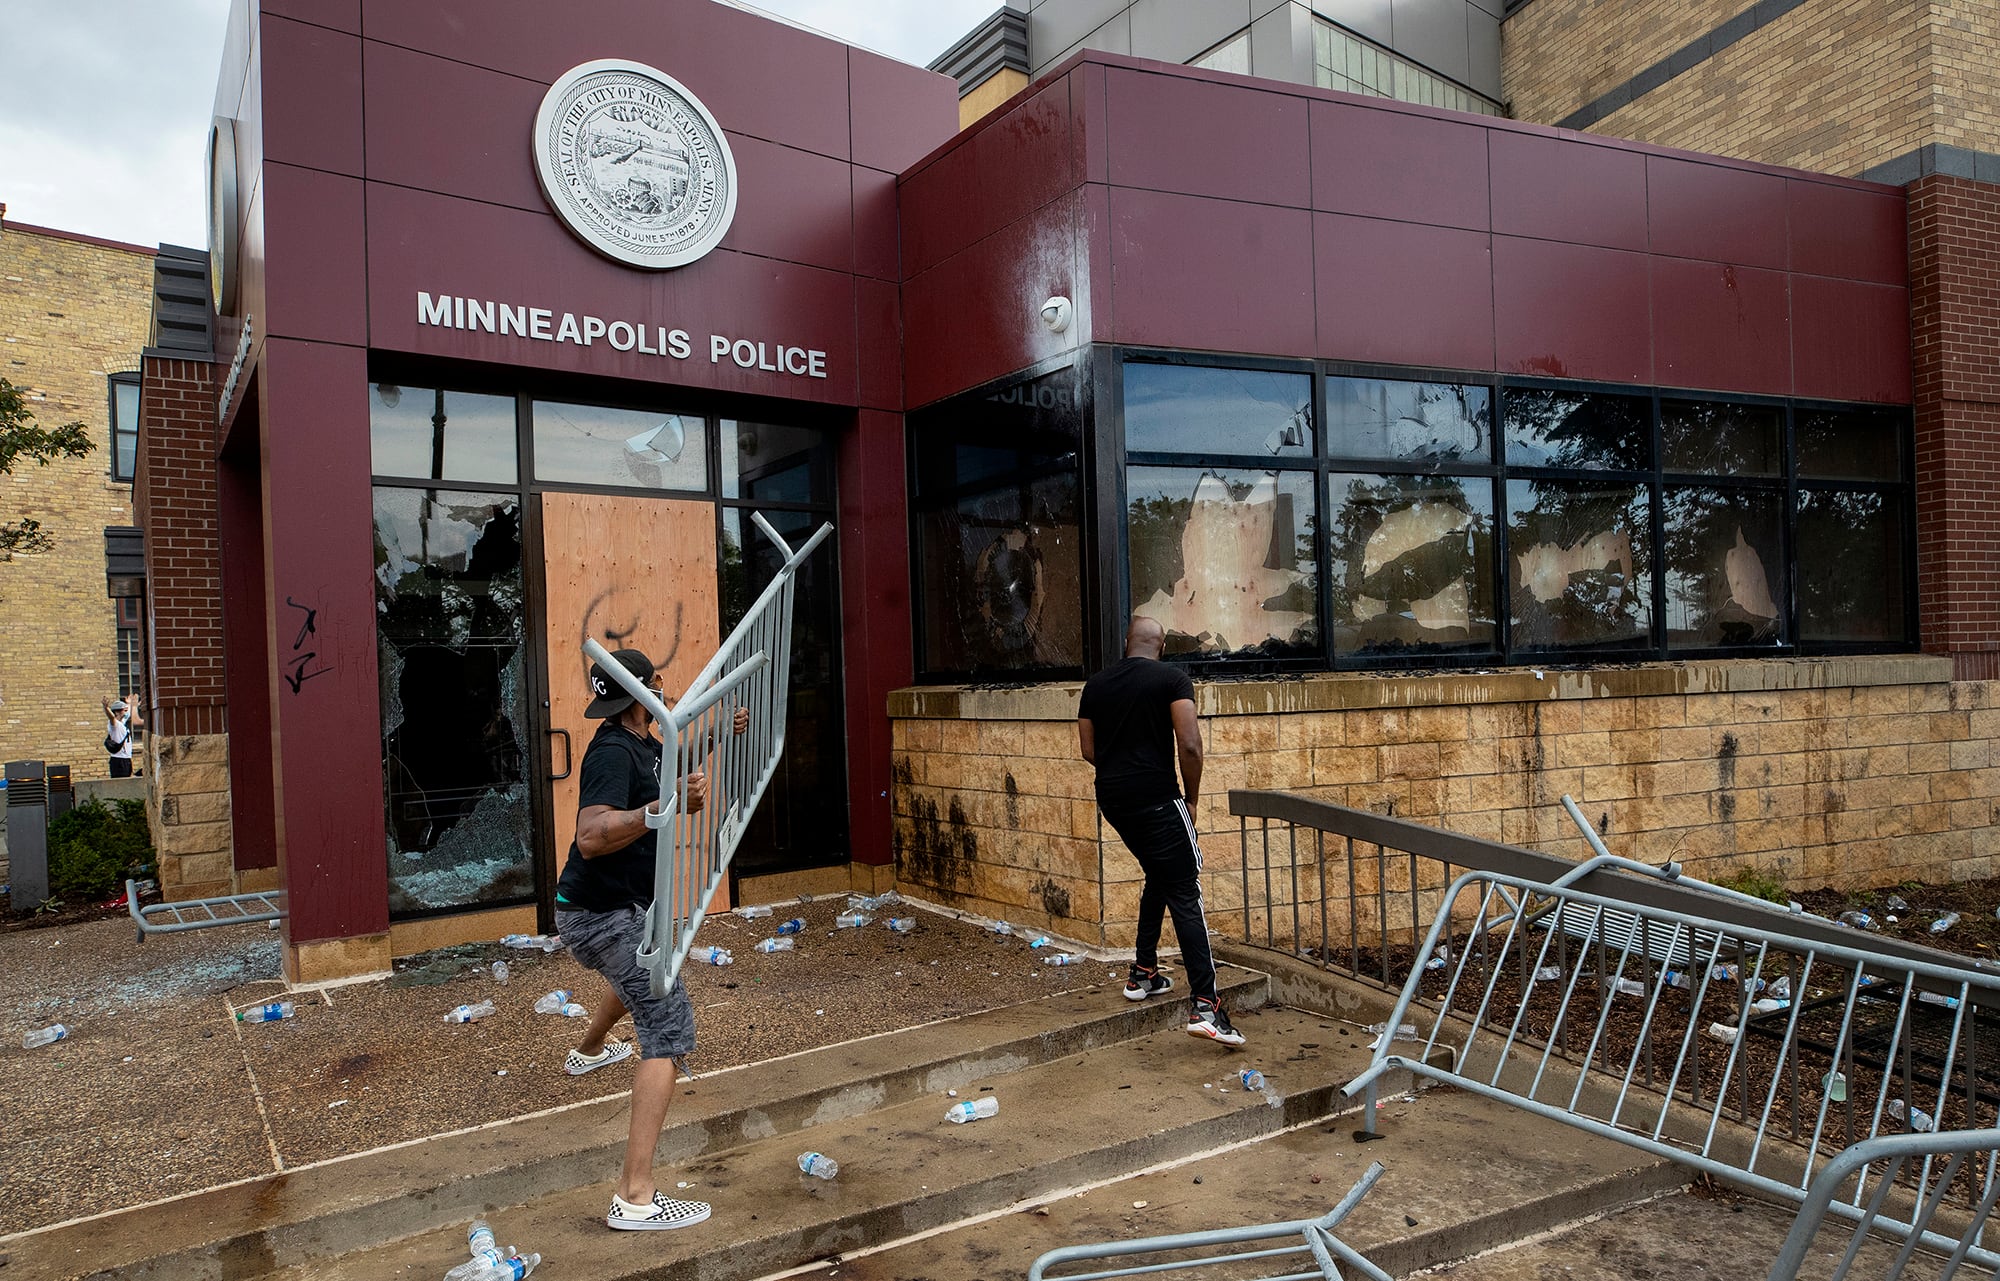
(634, 164)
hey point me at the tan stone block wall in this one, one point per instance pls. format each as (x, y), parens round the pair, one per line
(1836, 86)
(1722, 766)
(72, 312)
(187, 803)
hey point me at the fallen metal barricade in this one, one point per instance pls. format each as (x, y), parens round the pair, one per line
(202, 913)
(752, 670)
(1189, 1250)
(1759, 1063)
(1893, 1151)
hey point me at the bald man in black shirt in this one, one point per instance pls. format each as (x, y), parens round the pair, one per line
(1136, 718)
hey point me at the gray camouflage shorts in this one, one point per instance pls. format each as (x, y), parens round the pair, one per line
(608, 942)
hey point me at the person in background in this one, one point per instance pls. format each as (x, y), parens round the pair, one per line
(1134, 720)
(120, 719)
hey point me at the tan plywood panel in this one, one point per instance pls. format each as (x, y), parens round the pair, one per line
(634, 573)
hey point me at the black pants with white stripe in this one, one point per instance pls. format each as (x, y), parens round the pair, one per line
(1162, 838)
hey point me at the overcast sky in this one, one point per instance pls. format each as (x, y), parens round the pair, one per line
(104, 104)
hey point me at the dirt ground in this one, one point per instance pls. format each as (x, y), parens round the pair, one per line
(158, 1090)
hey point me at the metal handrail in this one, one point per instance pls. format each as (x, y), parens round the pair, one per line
(751, 670)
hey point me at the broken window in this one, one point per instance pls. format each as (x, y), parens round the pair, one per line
(1207, 410)
(1224, 559)
(1411, 563)
(1720, 438)
(1722, 556)
(1580, 565)
(1415, 422)
(449, 626)
(637, 449)
(996, 481)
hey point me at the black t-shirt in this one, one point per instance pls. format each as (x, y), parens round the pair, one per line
(620, 769)
(1128, 707)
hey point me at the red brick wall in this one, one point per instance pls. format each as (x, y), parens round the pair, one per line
(174, 499)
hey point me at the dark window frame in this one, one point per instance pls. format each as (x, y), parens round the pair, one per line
(112, 383)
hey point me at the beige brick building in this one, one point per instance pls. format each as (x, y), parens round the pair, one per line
(74, 313)
(1839, 86)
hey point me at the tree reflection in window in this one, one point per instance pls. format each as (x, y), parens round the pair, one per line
(1850, 553)
(1581, 564)
(1721, 438)
(1721, 553)
(1412, 563)
(1224, 560)
(449, 624)
(1424, 422)
(1562, 428)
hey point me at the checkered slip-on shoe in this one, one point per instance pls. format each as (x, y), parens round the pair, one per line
(664, 1214)
(613, 1052)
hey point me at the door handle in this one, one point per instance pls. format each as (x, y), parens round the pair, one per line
(568, 756)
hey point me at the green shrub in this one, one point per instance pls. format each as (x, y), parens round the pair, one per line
(94, 847)
(1757, 885)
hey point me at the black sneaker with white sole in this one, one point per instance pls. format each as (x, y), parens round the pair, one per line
(664, 1214)
(1141, 983)
(1207, 1019)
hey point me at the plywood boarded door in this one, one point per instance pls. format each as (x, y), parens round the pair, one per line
(635, 573)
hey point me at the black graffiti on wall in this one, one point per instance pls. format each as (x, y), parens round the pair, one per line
(298, 668)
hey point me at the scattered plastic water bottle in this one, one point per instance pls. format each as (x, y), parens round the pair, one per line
(1895, 903)
(1001, 927)
(1040, 940)
(267, 1013)
(793, 926)
(1770, 1005)
(44, 1036)
(500, 972)
(1062, 958)
(851, 920)
(754, 911)
(1781, 987)
(470, 1013)
(972, 1109)
(1677, 979)
(1548, 974)
(1938, 998)
(1251, 1078)
(711, 956)
(1439, 958)
(1404, 1031)
(1722, 1033)
(775, 945)
(903, 924)
(479, 1237)
(1857, 920)
(874, 903)
(1835, 1084)
(1724, 973)
(511, 1268)
(818, 1165)
(553, 1002)
(1627, 987)
(1916, 1118)
(1943, 923)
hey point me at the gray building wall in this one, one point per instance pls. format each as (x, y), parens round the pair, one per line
(1457, 39)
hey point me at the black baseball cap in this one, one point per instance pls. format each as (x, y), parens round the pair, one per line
(611, 698)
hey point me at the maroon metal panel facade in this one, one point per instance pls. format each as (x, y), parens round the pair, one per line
(874, 615)
(1228, 215)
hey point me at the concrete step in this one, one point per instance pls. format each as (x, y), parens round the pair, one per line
(1080, 1119)
(351, 1205)
(1462, 1176)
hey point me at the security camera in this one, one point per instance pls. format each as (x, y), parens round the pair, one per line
(1056, 314)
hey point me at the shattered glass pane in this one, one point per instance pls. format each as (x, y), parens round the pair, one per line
(1581, 564)
(1201, 409)
(1851, 559)
(1722, 566)
(998, 492)
(443, 435)
(1551, 428)
(449, 622)
(1224, 560)
(596, 445)
(1720, 439)
(1412, 563)
(1434, 422)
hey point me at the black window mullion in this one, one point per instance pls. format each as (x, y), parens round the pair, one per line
(1658, 566)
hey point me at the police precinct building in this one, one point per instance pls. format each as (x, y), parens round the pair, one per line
(1469, 462)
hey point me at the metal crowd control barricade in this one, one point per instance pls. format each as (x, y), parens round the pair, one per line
(752, 671)
(1786, 1065)
(202, 913)
(1188, 1250)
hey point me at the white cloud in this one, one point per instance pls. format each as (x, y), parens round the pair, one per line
(105, 112)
